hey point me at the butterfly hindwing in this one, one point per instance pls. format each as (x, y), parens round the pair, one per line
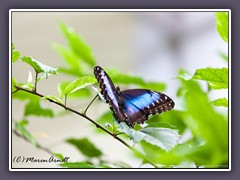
(140, 103)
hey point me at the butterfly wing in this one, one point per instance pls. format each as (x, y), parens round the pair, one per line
(140, 103)
(134, 105)
(108, 91)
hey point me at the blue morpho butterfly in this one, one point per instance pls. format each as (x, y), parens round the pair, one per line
(133, 105)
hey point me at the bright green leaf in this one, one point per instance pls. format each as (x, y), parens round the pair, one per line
(28, 86)
(78, 45)
(79, 83)
(67, 55)
(44, 76)
(173, 119)
(78, 67)
(77, 94)
(22, 95)
(181, 153)
(39, 67)
(156, 86)
(222, 24)
(85, 146)
(53, 98)
(24, 122)
(217, 78)
(30, 79)
(15, 54)
(71, 71)
(106, 118)
(34, 107)
(184, 76)
(20, 126)
(61, 86)
(59, 156)
(221, 102)
(206, 123)
(164, 138)
(14, 83)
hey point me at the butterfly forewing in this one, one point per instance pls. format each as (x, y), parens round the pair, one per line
(108, 91)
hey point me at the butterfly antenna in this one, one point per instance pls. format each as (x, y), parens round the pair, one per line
(113, 77)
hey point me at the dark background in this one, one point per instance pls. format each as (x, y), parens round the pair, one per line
(106, 4)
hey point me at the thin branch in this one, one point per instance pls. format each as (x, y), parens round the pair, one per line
(92, 121)
(85, 111)
(15, 91)
(35, 86)
(38, 145)
(65, 100)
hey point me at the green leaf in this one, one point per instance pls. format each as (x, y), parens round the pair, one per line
(164, 138)
(207, 124)
(77, 66)
(22, 95)
(14, 83)
(78, 45)
(39, 67)
(223, 55)
(82, 165)
(71, 71)
(217, 78)
(44, 76)
(61, 86)
(15, 54)
(174, 119)
(181, 153)
(221, 102)
(77, 94)
(20, 126)
(222, 24)
(59, 156)
(156, 86)
(106, 118)
(184, 76)
(68, 55)
(34, 107)
(53, 98)
(79, 83)
(85, 146)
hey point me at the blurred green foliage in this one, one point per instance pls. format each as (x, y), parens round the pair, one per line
(203, 129)
(20, 126)
(222, 25)
(15, 54)
(86, 147)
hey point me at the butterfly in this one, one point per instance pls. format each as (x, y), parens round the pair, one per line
(132, 105)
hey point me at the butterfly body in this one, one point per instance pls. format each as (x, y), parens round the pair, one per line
(133, 105)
